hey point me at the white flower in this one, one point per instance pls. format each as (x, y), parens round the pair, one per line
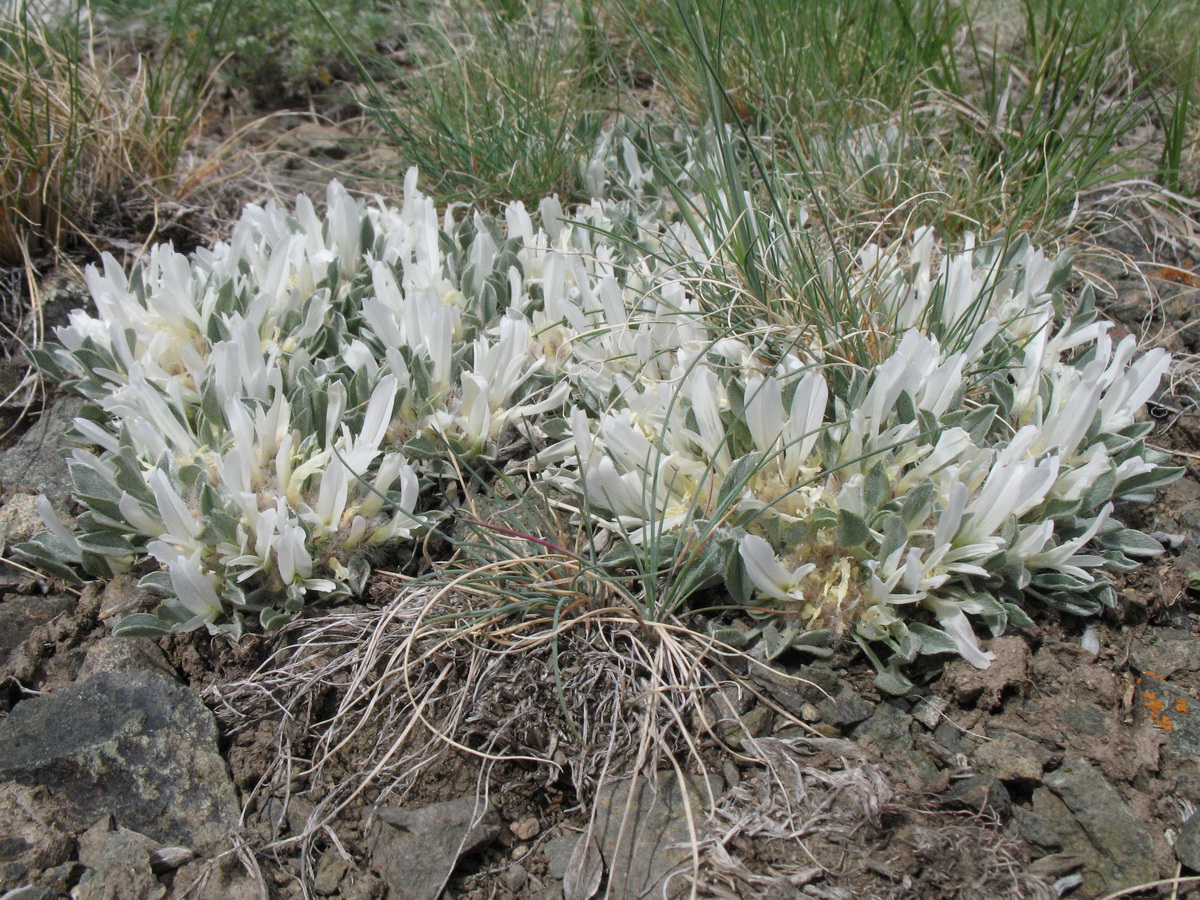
(292, 553)
(182, 527)
(955, 623)
(1065, 558)
(1010, 490)
(768, 575)
(195, 593)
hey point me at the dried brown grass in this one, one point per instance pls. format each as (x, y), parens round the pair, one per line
(87, 134)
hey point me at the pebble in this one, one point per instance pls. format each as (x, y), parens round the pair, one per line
(1166, 657)
(979, 793)
(1011, 757)
(928, 711)
(1036, 829)
(330, 872)
(515, 877)
(755, 723)
(525, 829)
(847, 708)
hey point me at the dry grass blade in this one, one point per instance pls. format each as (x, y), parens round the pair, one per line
(584, 871)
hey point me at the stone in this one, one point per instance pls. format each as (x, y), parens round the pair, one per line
(30, 892)
(363, 886)
(416, 850)
(215, 879)
(19, 519)
(60, 879)
(35, 463)
(124, 654)
(330, 872)
(1036, 829)
(1107, 821)
(1187, 843)
(930, 711)
(525, 829)
(887, 732)
(950, 736)
(846, 708)
(299, 814)
(642, 830)
(1011, 757)
(1165, 658)
(754, 723)
(1088, 720)
(123, 597)
(1172, 711)
(138, 745)
(558, 854)
(20, 615)
(118, 865)
(168, 859)
(986, 688)
(316, 140)
(30, 838)
(979, 793)
(795, 688)
(515, 877)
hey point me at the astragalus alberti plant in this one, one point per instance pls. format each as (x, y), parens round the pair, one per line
(268, 413)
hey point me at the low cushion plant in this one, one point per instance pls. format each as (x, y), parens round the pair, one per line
(264, 416)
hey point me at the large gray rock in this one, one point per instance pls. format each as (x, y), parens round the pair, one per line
(415, 850)
(1122, 839)
(36, 462)
(137, 745)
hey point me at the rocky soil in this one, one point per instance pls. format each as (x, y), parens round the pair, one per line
(132, 768)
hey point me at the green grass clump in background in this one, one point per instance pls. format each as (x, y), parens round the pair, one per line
(967, 116)
(276, 49)
(499, 102)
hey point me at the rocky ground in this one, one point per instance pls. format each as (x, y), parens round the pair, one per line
(132, 768)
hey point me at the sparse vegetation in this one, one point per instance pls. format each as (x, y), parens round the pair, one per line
(689, 332)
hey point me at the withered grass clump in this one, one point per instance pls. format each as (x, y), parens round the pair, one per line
(372, 706)
(86, 134)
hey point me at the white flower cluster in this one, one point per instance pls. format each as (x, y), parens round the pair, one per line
(978, 461)
(267, 411)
